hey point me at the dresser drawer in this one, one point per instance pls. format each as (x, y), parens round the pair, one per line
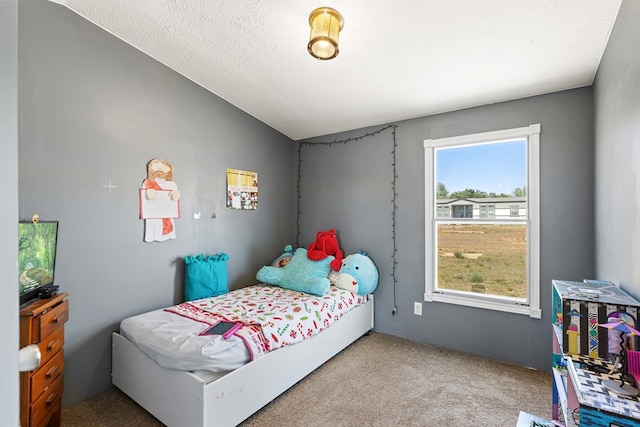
(52, 320)
(42, 322)
(44, 377)
(50, 345)
(48, 405)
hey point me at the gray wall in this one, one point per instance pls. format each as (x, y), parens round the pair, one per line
(9, 212)
(94, 109)
(350, 186)
(617, 134)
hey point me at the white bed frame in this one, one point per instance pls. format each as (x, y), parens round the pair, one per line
(180, 398)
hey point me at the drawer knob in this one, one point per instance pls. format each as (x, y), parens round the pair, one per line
(52, 344)
(58, 317)
(51, 371)
(52, 397)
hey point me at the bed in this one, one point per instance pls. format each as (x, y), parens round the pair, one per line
(204, 397)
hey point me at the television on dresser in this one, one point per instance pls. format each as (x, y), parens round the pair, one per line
(37, 244)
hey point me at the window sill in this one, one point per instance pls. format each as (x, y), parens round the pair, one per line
(510, 307)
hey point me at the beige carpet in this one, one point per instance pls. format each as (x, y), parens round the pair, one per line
(379, 380)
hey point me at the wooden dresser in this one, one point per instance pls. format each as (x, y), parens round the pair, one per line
(42, 322)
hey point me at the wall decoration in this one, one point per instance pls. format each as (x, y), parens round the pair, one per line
(159, 202)
(109, 186)
(394, 205)
(242, 189)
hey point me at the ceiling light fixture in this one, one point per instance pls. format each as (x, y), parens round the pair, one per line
(326, 24)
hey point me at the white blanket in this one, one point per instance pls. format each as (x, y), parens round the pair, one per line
(174, 342)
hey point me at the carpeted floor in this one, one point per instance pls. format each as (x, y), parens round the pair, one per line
(379, 380)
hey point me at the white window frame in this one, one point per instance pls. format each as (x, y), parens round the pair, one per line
(529, 306)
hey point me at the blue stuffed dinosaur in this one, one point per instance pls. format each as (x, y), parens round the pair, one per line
(299, 274)
(358, 274)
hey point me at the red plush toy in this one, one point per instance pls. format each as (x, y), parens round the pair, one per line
(326, 244)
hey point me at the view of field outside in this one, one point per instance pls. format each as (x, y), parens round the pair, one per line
(483, 258)
(497, 168)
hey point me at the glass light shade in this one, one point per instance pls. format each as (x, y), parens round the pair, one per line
(326, 24)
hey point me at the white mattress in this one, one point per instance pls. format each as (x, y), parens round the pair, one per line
(174, 342)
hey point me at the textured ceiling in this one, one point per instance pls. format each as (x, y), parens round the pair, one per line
(399, 59)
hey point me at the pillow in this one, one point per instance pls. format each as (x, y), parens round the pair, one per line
(358, 274)
(205, 276)
(300, 274)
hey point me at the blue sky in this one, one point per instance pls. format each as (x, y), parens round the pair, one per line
(498, 168)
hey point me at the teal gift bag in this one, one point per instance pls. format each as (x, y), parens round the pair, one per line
(205, 276)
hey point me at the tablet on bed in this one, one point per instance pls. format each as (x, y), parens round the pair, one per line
(226, 329)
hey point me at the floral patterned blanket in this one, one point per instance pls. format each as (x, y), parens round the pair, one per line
(273, 317)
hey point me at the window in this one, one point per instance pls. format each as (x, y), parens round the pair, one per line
(462, 211)
(487, 211)
(444, 212)
(491, 259)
